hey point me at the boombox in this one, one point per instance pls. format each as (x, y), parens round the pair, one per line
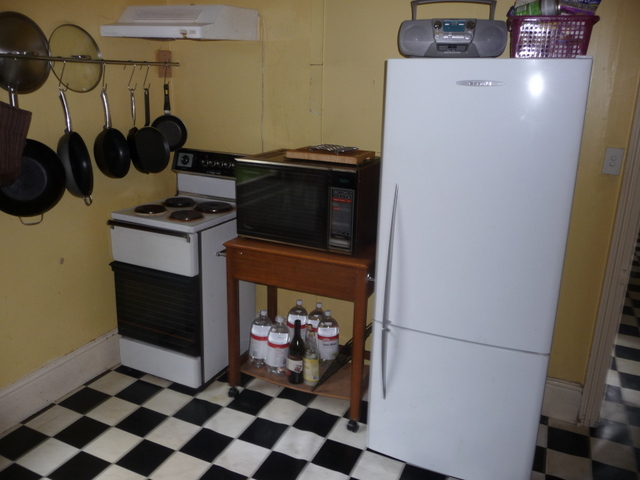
(452, 37)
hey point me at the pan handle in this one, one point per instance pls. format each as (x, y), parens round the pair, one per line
(65, 108)
(167, 102)
(147, 108)
(105, 104)
(133, 105)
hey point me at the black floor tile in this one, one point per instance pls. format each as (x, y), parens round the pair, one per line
(206, 445)
(629, 381)
(132, 372)
(264, 433)
(81, 432)
(612, 431)
(609, 472)
(336, 456)
(303, 398)
(414, 473)
(16, 472)
(184, 389)
(613, 394)
(568, 442)
(141, 422)
(250, 402)
(20, 441)
(218, 473)
(629, 330)
(139, 392)
(84, 400)
(81, 467)
(316, 421)
(627, 353)
(279, 466)
(197, 411)
(145, 457)
(540, 460)
(634, 415)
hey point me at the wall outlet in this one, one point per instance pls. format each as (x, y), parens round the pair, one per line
(613, 161)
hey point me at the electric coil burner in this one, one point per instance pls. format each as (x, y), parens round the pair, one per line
(170, 273)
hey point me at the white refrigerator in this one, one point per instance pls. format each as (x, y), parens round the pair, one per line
(479, 161)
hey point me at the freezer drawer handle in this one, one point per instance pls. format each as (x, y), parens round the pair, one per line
(144, 228)
(387, 293)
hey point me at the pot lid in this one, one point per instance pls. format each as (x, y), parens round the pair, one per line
(20, 35)
(71, 41)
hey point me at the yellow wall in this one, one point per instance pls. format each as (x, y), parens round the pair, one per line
(316, 76)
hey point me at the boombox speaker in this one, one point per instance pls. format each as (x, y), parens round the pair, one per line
(452, 37)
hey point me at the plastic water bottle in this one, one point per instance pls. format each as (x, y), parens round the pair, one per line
(277, 347)
(311, 360)
(297, 312)
(314, 318)
(328, 339)
(259, 333)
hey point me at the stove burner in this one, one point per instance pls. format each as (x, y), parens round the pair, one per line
(186, 216)
(150, 209)
(213, 207)
(179, 202)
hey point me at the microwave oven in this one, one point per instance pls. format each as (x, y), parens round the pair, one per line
(320, 205)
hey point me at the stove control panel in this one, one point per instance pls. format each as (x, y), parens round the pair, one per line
(205, 162)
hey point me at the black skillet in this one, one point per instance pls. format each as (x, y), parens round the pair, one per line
(171, 126)
(151, 145)
(40, 185)
(75, 158)
(110, 148)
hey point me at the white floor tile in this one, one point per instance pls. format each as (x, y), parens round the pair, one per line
(114, 472)
(112, 445)
(299, 444)
(53, 420)
(315, 472)
(612, 453)
(173, 433)
(229, 422)
(112, 383)
(168, 402)
(568, 467)
(180, 466)
(242, 457)
(377, 467)
(112, 411)
(47, 456)
(282, 410)
(217, 392)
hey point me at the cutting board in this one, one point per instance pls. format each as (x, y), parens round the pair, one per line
(354, 157)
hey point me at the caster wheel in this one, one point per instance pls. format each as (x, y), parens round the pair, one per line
(233, 392)
(353, 426)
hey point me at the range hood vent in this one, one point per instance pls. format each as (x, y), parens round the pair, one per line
(196, 22)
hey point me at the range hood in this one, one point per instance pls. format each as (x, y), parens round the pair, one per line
(197, 22)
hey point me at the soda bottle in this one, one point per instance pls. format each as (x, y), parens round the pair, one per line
(328, 339)
(297, 312)
(296, 354)
(311, 360)
(314, 318)
(258, 342)
(277, 347)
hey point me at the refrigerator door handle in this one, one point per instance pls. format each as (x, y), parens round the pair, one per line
(387, 294)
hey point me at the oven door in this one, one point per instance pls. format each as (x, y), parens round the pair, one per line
(159, 249)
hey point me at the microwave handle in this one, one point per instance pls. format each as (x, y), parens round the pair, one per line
(144, 228)
(387, 294)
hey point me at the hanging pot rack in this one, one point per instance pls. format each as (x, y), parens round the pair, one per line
(83, 59)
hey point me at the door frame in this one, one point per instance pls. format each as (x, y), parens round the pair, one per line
(618, 270)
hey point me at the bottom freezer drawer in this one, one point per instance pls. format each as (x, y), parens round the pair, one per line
(457, 408)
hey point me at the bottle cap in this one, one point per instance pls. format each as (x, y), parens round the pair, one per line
(327, 313)
(319, 305)
(298, 302)
(279, 319)
(263, 312)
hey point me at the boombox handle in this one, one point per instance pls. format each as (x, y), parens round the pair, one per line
(415, 3)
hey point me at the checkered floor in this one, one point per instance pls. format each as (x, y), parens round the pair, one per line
(126, 425)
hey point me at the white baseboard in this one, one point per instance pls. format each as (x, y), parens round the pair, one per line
(562, 400)
(53, 381)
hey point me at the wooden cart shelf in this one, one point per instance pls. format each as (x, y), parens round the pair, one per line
(320, 273)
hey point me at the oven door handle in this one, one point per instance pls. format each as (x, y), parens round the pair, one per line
(145, 228)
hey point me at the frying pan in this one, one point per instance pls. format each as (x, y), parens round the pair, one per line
(110, 148)
(40, 185)
(151, 145)
(75, 158)
(171, 127)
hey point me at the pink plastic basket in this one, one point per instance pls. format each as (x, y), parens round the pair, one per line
(562, 36)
